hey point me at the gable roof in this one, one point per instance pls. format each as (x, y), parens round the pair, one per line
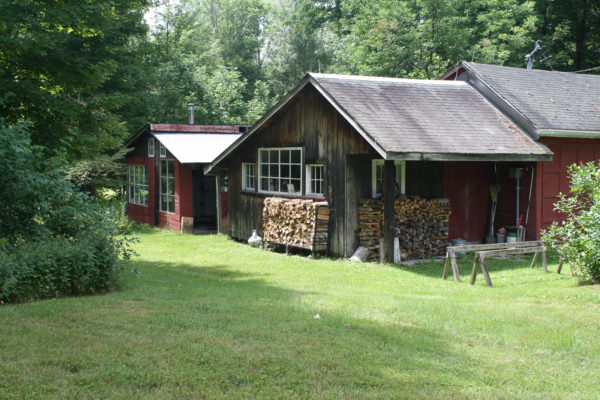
(553, 103)
(410, 119)
(193, 143)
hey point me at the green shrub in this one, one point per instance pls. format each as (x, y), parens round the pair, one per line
(57, 267)
(54, 239)
(577, 238)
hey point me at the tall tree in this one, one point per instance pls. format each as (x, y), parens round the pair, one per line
(59, 60)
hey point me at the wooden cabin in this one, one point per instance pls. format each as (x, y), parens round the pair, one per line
(343, 138)
(561, 111)
(167, 186)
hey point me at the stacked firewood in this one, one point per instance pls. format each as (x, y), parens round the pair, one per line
(420, 224)
(295, 222)
(370, 217)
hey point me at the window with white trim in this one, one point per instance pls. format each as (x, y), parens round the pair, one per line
(315, 182)
(280, 170)
(167, 186)
(162, 149)
(151, 147)
(138, 184)
(248, 176)
(377, 177)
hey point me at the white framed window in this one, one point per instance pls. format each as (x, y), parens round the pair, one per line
(138, 184)
(151, 147)
(280, 170)
(248, 176)
(315, 181)
(163, 150)
(167, 186)
(377, 177)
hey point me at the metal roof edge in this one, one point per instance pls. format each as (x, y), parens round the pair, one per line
(546, 156)
(258, 124)
(565, 133)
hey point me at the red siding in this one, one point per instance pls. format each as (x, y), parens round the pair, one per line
(466, 185)
(143, 214)
(183, 198)
(506, 214)
(552, 177)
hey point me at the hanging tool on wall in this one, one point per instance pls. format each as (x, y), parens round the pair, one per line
(494, 191)
(531, 174)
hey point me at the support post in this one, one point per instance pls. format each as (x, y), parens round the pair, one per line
(389, 179)
(218, 184)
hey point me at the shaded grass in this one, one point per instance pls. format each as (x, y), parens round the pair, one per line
(210, 318)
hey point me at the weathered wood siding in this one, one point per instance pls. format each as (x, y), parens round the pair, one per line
(310, 122)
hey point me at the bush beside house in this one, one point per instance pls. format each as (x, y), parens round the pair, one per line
(54, 240)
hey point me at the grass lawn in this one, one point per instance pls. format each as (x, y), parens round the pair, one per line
(210, 318)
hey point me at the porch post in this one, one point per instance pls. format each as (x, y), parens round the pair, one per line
(218, 194)
(389, 180)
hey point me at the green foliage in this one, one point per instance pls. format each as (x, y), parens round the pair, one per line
(57, 266)
(55, 239)
(577, 238)
(65, 66)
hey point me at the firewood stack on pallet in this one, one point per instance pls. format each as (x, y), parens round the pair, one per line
(370, 218)
(296, 222)
(421, 226)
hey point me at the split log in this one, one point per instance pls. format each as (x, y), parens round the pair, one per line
(420, 224)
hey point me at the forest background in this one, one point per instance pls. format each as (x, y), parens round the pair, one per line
(85, 75)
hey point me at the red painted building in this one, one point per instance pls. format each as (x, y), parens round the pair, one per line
(559, 110)
(437, 138)
(166, 183)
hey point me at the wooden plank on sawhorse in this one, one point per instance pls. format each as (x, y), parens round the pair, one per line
(480, 259)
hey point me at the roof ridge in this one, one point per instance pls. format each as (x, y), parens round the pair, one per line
(386, 79)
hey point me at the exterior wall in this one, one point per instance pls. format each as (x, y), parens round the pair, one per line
(506, 214)
(139, 213)
(552, 177)
(466, 184)
(307, 121)
(183, 198)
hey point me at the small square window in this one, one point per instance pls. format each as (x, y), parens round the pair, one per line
(163, 150)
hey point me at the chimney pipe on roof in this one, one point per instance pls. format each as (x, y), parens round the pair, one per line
(531, 56)
(190, 109)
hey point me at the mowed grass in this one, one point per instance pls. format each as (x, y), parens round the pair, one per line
(207, 317)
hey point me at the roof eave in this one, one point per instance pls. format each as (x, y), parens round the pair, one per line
(416, 156)
(564, 133)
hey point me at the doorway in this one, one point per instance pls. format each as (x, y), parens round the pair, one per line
(205, 199)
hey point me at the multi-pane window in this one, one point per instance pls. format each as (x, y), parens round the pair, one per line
(280, 170)
(162, 149)
(248, 176)
(377, 177)
(138, 184)
(151, 147)
(314, 180)
(167, 186)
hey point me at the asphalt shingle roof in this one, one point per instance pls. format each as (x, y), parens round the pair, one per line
(422, 116)
(550, 100)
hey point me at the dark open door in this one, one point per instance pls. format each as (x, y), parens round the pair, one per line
(204, 197)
